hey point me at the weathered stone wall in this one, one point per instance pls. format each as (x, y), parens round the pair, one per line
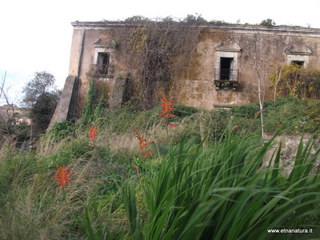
(255, 49)
(259, 50)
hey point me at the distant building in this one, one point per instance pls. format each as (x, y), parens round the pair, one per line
(23, 120)
(20, 115)
(229, 61)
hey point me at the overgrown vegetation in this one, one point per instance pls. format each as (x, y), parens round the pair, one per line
(221, 193)
(204, 179)
(295, 80)
(25, 125)
(168, 172)
(157, 67)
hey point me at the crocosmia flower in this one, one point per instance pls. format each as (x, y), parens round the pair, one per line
(166, 107)
(92, 133)
(148, 154)
(142, 142)
(62, 175)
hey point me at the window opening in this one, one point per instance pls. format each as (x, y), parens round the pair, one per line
(226, 68)
(103, 63)
(226, 76)
(298, 63)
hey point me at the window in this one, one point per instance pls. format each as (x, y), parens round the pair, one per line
(103, 61)
(226, 74)
(226, 68)
(298, 63)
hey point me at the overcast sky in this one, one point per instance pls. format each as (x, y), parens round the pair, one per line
(36, 34)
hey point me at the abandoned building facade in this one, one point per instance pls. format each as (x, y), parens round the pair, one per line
(227, 67)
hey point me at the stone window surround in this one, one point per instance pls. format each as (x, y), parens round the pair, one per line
(304, 59)
(103, 49)
(233, 55)
(298, 54)
(98, 50)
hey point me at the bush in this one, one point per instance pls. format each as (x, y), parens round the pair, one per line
(294, 80)
(72, 152)
(182, 111)
(63, 129)
(245, 111)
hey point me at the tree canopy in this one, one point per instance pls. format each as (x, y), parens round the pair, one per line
(41, 83)
(42, 96)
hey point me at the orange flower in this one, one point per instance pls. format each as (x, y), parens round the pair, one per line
(142, 142)
(92, 133)
(62, 175)
(166, 107)
(148, 154)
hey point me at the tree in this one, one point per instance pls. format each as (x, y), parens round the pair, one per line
(267, 22)
(194, 19)
(41, 83)
(261, 67)
(43, 110)
(42, 97)
(10, 128)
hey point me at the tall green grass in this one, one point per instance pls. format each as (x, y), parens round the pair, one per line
(223, 193)
(201, 188)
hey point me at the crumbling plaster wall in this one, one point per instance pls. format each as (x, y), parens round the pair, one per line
(84, 45)
(260, 48)
(259, 51)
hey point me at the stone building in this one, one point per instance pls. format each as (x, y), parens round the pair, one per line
(229, 64)
(19, 115)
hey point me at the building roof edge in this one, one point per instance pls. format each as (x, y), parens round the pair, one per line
(244, 27)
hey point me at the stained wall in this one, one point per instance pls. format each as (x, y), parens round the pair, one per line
(255, 49)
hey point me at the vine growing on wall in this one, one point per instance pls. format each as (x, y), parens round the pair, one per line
(157, 52)
(88, 110)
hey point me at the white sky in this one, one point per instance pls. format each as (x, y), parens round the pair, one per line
(36, 34)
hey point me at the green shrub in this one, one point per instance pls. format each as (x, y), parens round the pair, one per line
(182, 111)
(71, 152)
(62, 129)
(245, 111)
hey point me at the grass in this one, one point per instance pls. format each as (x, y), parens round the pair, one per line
(206, 180)
(222, 193)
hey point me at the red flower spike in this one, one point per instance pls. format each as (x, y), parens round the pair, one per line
(92, 133)
(143, 146)
(142, 142)
(148, 154)
(62, 175)
(166, 107)
(171, 125)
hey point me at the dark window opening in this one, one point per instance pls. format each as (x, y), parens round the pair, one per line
(298, 63)
(225, 68)
(226, 75)
(103, 63)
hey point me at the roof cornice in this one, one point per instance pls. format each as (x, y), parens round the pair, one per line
(231, 27)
